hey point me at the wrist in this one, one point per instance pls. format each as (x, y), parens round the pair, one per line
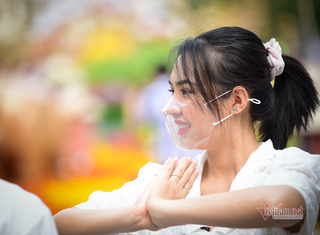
(156, 209)
(140, 219)
(135, 217)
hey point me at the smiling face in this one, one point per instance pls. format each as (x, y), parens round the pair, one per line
(188, 121)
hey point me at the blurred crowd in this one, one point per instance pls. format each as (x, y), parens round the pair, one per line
(44, 132)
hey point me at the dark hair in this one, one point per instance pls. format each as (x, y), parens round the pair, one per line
(223, 58)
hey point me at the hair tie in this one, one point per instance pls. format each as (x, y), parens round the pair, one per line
(274, 57)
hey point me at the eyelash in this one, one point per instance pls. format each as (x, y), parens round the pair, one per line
(184, 92)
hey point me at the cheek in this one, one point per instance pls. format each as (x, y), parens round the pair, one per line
(202, 119)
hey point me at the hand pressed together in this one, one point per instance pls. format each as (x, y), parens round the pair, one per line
(173, 181)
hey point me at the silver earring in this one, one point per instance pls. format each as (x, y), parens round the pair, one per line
(234, 109)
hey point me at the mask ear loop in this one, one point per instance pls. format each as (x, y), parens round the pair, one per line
(253, 100)
(206, 104)
(216, 123)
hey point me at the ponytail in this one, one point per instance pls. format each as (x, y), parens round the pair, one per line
(296, 100)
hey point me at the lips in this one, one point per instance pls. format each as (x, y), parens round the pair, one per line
(183, 127)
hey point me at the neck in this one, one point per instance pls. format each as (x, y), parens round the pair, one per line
(229, 154)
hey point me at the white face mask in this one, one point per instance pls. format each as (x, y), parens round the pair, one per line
(187, 134)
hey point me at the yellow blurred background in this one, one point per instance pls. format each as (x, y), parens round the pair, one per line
(74, 74)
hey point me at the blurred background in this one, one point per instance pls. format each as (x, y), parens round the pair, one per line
(83, 83)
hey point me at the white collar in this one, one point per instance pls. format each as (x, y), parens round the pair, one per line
(263, 153)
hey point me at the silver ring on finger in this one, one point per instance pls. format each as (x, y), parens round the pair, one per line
(188, 190)
(175, 174)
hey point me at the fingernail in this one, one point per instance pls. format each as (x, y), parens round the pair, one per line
(197, 170)
(175, 158)
(189, 159)
(195, 161)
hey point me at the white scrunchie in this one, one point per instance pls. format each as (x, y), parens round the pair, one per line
(275, 58)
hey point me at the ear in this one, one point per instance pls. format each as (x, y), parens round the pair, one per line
(240, 98)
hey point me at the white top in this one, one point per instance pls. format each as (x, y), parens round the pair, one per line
(266, 166)
(23, 213)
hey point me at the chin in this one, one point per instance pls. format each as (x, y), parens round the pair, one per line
(185, 144)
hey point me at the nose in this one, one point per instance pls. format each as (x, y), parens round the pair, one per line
(173, 107)
(173, 111)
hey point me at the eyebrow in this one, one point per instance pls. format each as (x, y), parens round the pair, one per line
(182, 82)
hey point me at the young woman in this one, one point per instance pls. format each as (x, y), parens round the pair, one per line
(221, 85)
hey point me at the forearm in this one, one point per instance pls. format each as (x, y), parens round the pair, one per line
(99, 221)
(237, 209)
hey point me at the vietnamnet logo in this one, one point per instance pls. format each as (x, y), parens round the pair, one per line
(278, 213)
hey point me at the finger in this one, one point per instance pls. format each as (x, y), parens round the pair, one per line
(193, 177)
(180, 161)
(180, 168)
(163, 166)
(166, 173)
(188, 172)
(149, 185)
